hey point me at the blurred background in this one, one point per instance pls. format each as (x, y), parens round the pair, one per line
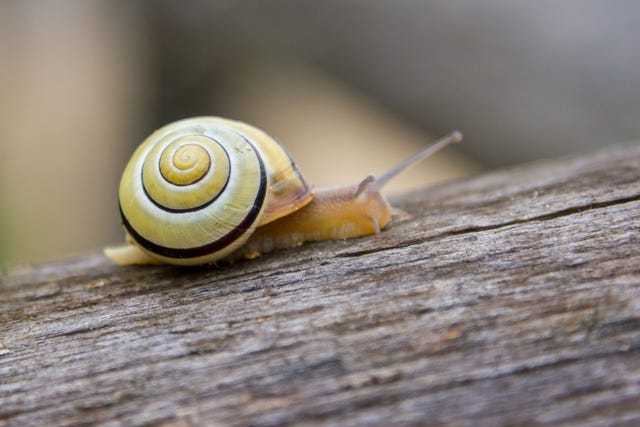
(350, 87)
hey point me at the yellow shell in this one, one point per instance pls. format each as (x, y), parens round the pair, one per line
(195, 190)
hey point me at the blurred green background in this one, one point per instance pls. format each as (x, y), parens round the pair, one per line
(351, 84)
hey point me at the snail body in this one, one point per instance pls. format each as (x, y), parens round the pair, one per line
(203, 189)
(333, 214)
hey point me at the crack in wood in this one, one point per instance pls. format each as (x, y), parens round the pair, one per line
(475, 229)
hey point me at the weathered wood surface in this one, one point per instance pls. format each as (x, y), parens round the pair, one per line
(509, 299)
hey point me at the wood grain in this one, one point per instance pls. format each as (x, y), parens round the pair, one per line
(509, 299)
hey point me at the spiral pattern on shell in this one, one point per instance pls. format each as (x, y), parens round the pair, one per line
(195, 189)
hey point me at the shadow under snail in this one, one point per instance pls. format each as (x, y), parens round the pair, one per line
(204, 189)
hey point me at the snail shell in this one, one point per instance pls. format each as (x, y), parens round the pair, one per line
(195, 190)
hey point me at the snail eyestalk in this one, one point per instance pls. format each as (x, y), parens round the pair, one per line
(455, 136)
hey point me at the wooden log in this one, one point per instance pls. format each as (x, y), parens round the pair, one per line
(509, 299)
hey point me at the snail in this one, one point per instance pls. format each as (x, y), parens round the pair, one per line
(205, 189)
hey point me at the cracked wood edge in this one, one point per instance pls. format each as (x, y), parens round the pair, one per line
(510, 298)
